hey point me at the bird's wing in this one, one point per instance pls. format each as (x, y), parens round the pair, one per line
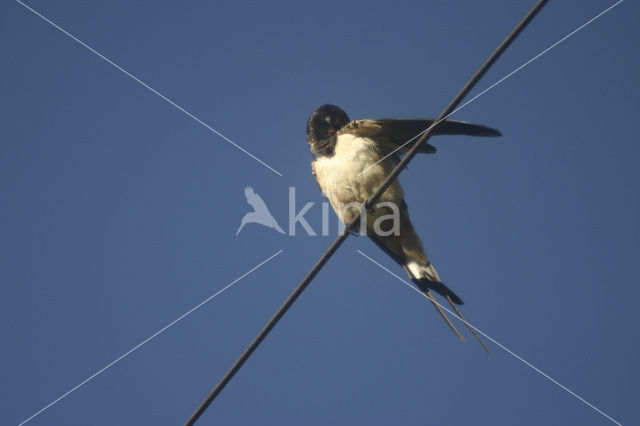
(391, 134)
(254, 200)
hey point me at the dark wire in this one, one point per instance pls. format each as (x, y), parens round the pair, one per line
(338, 242)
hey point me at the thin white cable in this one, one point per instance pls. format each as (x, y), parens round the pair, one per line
(501, 346)
(127, 73)
(115, 361)
(498, 82)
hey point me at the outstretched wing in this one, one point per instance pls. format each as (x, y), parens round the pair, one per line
(254, 200)
(391, 133)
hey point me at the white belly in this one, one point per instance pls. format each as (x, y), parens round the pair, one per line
(351, 176)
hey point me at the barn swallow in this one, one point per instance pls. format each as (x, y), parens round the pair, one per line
(352, 159)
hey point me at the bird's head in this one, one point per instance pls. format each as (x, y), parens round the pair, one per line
(322, 127)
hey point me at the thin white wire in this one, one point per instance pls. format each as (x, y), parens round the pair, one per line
(127, 73)
(497, 82)
(501, 346)
(136, 347)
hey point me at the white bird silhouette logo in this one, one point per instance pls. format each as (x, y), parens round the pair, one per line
(260, 213)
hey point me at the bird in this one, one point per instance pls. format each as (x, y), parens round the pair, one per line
(350, 161)
(260, 213)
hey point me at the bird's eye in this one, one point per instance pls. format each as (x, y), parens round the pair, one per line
(327, 119)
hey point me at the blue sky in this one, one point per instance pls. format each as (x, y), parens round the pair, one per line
(119, 214)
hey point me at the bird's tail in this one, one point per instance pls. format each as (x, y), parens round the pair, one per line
(427, 279)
